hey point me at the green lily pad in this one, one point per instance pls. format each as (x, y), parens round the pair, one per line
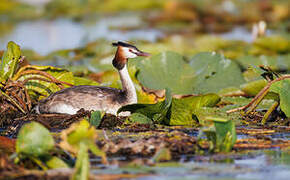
(156, 112)
(10, 61)
(139, 118)
(182, 110)
(206, 73)
(84, 81)
(55, 163)
(96, 118)
(214, 72)
(271, 45)
(283, 89)
(34, 140)
(223, 136)
(166, 70)
(281, 62)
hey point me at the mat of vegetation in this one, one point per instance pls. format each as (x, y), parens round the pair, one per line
(208, 107)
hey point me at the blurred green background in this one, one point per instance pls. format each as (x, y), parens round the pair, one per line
(80, 32)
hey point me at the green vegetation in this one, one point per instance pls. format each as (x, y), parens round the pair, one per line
(201, 97)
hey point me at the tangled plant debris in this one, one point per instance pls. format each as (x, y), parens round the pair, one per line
(202, 97)
(140, 134)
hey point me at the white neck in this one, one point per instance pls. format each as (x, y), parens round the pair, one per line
(128, 85)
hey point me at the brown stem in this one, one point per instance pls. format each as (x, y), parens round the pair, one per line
(269, 112)
(19, 100)
(260, 95)
(12, 101)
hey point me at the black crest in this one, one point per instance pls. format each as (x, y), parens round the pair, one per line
(123, 44)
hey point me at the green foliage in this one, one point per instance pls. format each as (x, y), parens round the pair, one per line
(214, 72)
(34, 140)
(166, 70)
(82, 167)
(9, 61)
(157, 112)
(96, 118)
(55, 162)
(139, 118)
(183, 110)
(274, 62)
(84, 81)
(80, 134)
(80, 138)
(172, 111)
(254, 87)
(222, 136)
(42, 87)
(205, 73)
(271, 45)
(283, 89)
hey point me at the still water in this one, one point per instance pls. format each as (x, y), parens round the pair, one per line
(44, 36)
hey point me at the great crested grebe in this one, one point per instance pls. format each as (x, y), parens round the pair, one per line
(107, 99)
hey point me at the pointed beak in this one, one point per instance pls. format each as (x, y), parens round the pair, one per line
(140, 53)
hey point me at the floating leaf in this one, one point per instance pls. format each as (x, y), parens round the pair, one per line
(271, 45)
(207, 73)
(157, 111)
(223, 136)
(84, 81)
(166, 70)
(283, 89)
(96, 118)
(182, 110)
(214, 72)
(139, 118)
(55, 163)
(34, 140)
(79, 134)
(10, 61)
(274, 62)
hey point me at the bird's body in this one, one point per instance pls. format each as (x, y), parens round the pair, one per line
(70, 100)
(109, 100)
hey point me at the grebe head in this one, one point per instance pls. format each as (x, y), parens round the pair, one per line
(124, 52)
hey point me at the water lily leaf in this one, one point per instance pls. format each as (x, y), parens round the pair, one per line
(225, 133)
(281, 62)
(166, 70)
(223, 136)
(84, 81)
(139, 118)
(34, 140)
(156, 112)
(79, 134)
(254, 87)
(96, 118)
(42, 87)
(283, 89)
(214, 73)
(271, 45)
(55, 162)
(182, 110)
(10, 60)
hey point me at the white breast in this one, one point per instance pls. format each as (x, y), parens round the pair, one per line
(63, 108)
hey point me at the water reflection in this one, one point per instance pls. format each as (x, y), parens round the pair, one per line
(44, 36)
